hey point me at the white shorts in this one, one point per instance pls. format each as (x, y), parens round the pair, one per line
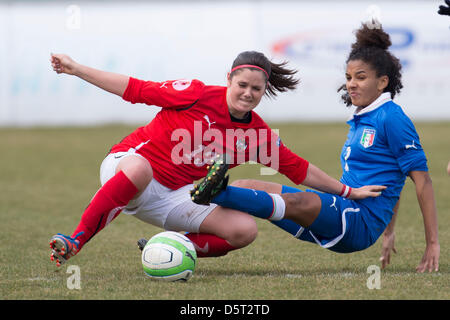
(158, 205)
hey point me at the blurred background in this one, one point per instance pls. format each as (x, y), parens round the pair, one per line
(162, 40)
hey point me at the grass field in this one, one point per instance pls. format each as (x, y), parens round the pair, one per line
(48, 176)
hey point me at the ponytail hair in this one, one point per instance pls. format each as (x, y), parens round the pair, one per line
(280, 78)
(371, 47)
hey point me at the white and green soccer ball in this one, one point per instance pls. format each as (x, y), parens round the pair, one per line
(169, 256)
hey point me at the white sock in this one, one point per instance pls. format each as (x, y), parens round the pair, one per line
(279, 207)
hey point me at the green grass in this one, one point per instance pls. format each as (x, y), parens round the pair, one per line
(48, 175)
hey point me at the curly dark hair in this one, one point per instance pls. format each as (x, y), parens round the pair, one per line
(280, 79)
(371, 46)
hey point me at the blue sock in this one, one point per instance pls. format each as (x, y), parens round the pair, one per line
(257, 203)
(286, 224)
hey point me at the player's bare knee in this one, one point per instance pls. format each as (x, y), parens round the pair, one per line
(138, 170)
(302, 207)
(244, 234)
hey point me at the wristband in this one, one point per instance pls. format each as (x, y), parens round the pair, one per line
(346, 191)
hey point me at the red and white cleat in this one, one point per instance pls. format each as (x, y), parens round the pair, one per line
(63, 247)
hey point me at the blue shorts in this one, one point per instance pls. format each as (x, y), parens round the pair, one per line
(339, 227)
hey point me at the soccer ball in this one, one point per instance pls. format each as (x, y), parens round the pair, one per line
(169, 256)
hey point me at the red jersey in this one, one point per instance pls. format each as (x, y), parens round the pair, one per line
(193, 125)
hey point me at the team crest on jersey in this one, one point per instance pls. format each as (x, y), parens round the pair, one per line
(241, 145)
(368, 137)
(181, 85)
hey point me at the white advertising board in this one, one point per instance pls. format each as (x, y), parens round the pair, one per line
(161, 41)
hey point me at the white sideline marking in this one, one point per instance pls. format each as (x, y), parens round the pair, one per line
(41, 279)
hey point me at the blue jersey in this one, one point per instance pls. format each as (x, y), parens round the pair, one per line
(382, 147)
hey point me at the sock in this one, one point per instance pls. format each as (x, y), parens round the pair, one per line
(255, 202)
(105, 206)
(209, 245)
(286, 224)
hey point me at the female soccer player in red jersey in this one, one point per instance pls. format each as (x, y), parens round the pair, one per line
(150, 172)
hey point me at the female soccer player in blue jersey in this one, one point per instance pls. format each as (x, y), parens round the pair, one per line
(382, 148)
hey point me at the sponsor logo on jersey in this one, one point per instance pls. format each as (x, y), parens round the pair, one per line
(411, 146)
(210, 123)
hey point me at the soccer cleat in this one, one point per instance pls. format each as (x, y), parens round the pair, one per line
(63, 247)
(214, 182)
(141, 243)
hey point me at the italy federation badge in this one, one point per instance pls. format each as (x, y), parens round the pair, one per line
(368, 137)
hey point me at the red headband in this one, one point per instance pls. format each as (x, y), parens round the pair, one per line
(250, 66)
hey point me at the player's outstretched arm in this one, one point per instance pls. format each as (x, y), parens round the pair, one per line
(388, 245)
(109, 81)
(425, 196)
(319, 180)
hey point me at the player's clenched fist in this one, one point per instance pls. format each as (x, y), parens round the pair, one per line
(62, 63)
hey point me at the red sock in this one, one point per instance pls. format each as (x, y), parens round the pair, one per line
(209, 245)
(106, 205)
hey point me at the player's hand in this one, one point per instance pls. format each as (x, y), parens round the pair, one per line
(445, 10)
(430, 259)
(365, 192)
(388, 246)
(62, 63)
